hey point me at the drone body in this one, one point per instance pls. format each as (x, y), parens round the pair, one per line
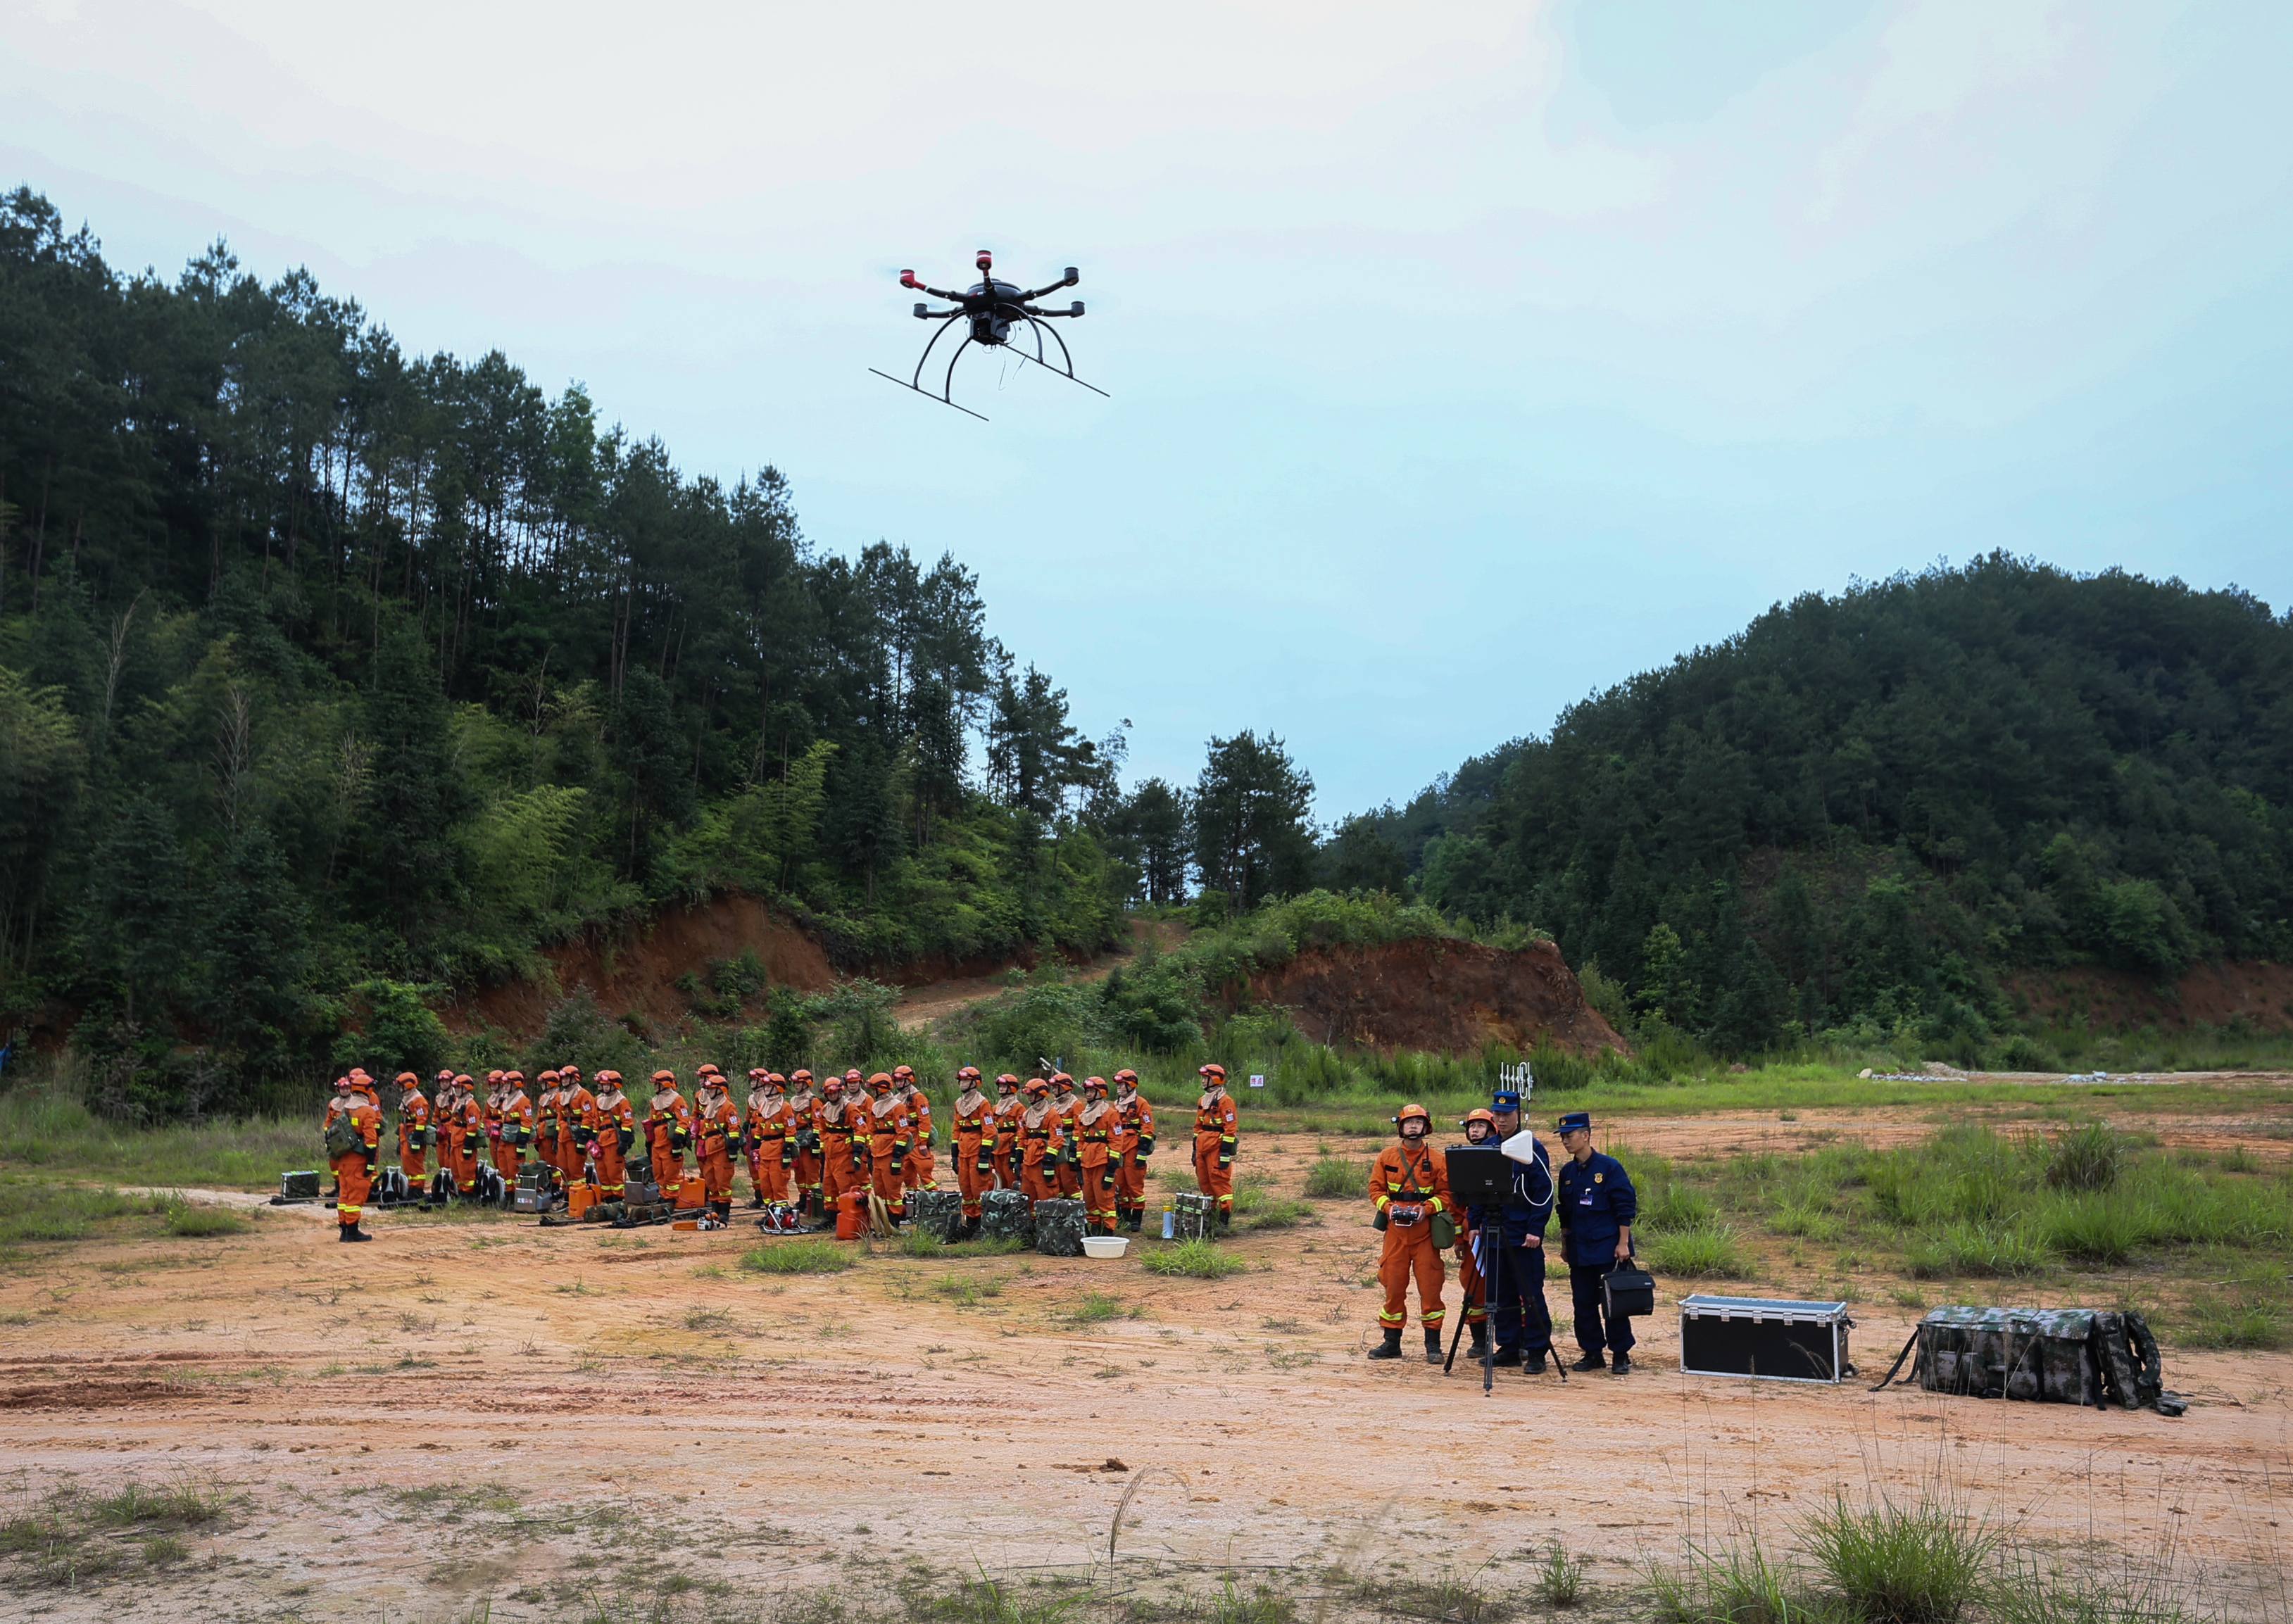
(993, 314)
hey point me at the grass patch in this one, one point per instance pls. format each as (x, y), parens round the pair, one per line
(796, 1257)
(202, 1222)
(1337, 1176)
(1698, 1254)
(71, 1534)
(1198, 1259)
(41, 1209)
(2088, 1156)
(1921, 1563)
(1280, 1212)
(1975, 1250)
(980, 1600)
(1095, 1309)
(1560, 1577)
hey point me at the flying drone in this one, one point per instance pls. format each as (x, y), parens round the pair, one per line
(993, 312)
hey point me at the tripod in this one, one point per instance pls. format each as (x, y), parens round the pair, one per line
(1482, 1176)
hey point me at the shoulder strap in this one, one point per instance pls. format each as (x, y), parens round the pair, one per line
(1898, 1365)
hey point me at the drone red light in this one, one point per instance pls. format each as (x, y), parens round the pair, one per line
(986, 259)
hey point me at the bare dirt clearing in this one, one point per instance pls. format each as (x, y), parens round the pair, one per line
(483, 1408)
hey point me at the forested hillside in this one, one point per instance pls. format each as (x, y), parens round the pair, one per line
(1862, 812)
(327, 672)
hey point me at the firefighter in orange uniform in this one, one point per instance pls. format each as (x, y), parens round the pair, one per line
(839, 1125)
(804, 1115)
(1134, 1143)
(1215, 1141)
(577, 1116)
(768, 1134)
(413, 1130)
(551, 1126)
(971, 1146)
(668, 1129)
(917, 1172)
(1480, 1125)
(467, 1128)
(353, 1131)
(1068, 1104)
(515, 1121)
(1410, 1186)
(887, 1144)
(1096, 1124)
(715, 1131)
(1042, 1144)
(1008, 1104)
(617, 1132)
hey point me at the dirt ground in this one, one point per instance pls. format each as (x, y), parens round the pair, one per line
(483, 1409)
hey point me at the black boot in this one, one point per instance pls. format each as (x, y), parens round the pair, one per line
(1590, 1361)
(1391, 1348)
(1433, 1345)
(1480, 1344)
(1533, 1361)
(1138, 1217)
(756, 1203)
(1508, 1353)
(1621, 1364)
(352, 1231)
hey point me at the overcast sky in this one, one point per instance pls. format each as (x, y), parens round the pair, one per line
(1463, 359)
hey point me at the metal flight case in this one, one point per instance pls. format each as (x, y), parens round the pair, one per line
(1773, 1339)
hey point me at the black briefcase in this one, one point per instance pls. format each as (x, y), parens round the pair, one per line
(1627, 1291)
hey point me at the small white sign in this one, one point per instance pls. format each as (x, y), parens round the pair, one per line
(1256, 1082)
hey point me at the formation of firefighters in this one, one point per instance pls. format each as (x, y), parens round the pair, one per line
(804, 1147)
(803, 1143)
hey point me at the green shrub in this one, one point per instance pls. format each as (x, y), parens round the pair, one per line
(2093, 1229)
(1698, 1254)
(1923, 1563)
(1674, 1209)
(1337, 1176)
(1201, 1259)
(2084, 1157)
(1977, 1251)
(1740, 1584)
(2244, 1319)
(184, 1219)
(812, 1257)
(1808, 1221)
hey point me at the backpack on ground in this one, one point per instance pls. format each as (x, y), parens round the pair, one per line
(2087, 1356)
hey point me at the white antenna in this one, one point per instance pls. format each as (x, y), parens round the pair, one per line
(1518, 1078)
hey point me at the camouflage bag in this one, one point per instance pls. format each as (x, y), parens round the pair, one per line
(1193, 1217)
(935, 1211)
(1004, 1216)
(1058, 1228)
(2042, 1356)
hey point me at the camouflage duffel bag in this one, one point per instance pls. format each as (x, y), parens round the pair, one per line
(1004, 1216)
(935, 1212)
(1196, 1216)
(2043, 1355)
(1058, 1228)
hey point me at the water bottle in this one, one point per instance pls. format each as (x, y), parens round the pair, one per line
(1169, 1219)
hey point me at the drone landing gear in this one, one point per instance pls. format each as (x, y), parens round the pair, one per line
(927, 394)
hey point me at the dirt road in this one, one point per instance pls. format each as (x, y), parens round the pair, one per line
(485, 1408)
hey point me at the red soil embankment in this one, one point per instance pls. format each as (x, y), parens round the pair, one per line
(2216, 993)
(636, 972)
(1448, 995)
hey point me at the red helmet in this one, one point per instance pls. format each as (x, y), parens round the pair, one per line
(1413, 1109)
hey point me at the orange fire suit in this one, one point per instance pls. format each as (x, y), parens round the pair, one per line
(614, 1114)
(354, 1169)
(1069, 1173)
(1095, 1127)
(1134, 1142)
(716, 1131)
(1214, 1150)
(888, 1150)
(971, 1145)
(803, 1125)
(466, 1129)
(413, 1136)
(919, 1169)
(1468, 1273)
(1042, 1144)
(668, 1129)
(547, 1132)
(515, 1121)
(577, 1118)
(840, 1158)
(1006, 1141)
(1410, 1184)
(769, 1137)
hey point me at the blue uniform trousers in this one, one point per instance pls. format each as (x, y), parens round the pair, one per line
(1520, 1297)
(1585, 1291)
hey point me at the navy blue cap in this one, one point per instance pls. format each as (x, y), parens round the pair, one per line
(1505, 1099)
(1571, 1120)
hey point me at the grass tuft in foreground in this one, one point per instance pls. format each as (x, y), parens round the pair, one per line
(1199, 1259)
(812, 1257)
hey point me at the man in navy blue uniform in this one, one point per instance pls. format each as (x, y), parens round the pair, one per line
(1508, 1250)
(1597, 1205)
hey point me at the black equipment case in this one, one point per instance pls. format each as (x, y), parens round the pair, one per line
(1771, 1337)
